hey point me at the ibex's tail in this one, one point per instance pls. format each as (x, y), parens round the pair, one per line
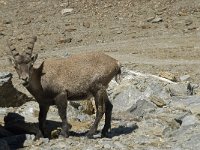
(118, 75)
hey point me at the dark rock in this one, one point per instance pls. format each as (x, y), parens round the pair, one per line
(8, 21)
(16, 124)
(4, 145)
(16, 141)
(157, 101)
(9, 96)
(4, 132)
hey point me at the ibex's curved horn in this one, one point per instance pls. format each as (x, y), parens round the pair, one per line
(31, 45)
(12, 49)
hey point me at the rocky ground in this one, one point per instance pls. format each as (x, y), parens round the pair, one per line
(156, 105)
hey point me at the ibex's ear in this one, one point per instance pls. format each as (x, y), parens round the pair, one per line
(33, 58)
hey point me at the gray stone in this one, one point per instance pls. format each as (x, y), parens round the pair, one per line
(126, 93)
(157, 20)
(82, 117)
(192, 143)
(155, 89)
(186, 137)
(133, 88)
(107, 146)
(185, 78)
(150, 19)
(141, 108)
(29, 111)
(120, 145)
(182, 89)
(42, 141)
(131, 125)
(190, 120)
(189, 103)
(5, 75)
(195, 108)
(66, 11)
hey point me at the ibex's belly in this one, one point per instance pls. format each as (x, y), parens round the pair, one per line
(72, 93)
(78, 96)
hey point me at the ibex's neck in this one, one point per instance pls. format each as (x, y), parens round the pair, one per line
(35, 87)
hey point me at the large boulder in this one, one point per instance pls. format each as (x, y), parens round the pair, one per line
(188, 103)
(133, 88)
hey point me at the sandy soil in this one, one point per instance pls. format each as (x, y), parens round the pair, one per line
(147, 36)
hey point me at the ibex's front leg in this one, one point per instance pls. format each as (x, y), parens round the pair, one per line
(100, 110)
(61, 103)
(42, 119)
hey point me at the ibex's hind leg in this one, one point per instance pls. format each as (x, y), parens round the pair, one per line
(61, 103)
(108, 115)
(100, 110)
(42, 120)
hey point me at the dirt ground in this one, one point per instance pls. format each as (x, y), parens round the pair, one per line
(148, 36)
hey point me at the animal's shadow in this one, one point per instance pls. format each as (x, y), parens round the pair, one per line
(122, 130)
(16, 124)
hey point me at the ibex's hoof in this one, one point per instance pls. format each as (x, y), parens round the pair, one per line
(105, 135)
(90, 135)
(105, 132)
(63, 135)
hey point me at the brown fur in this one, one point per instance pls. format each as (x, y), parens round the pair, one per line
(77, 77)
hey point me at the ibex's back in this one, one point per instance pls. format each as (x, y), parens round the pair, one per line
(78, 74)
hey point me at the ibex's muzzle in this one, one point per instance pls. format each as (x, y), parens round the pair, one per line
(25, 80)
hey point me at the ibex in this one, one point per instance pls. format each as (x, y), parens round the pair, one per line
(76, 77)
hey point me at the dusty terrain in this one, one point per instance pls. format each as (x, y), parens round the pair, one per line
(149, 36)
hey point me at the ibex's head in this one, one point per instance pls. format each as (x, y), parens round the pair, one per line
(23, 63)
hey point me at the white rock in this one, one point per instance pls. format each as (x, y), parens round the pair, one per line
(66, 11)
(185, 78)
(157, 20)
(189, 120)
